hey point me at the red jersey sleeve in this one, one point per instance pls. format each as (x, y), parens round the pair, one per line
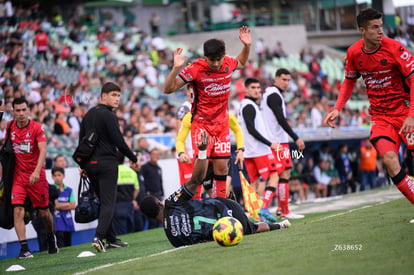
(405, 62)
(40, 135)
(232, 62)
(189, 73)
(351, 71)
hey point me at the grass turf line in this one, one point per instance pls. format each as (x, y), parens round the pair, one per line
(310, 246)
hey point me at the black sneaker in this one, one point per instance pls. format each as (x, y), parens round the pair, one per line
(116, 244)
(52, 245)
(24, 254)
(98, 245)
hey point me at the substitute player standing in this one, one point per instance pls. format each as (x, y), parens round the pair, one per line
(274, 115)
(210, 78)
(387, 68)
(259, 159)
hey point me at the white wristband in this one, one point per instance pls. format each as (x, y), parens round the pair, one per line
(202, 154)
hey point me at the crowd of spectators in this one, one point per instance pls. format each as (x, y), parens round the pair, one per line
(139, 63)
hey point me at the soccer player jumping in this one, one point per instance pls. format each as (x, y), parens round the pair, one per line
(210, 78)
(387, 69)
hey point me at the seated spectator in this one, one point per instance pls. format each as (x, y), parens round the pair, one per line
(323, 180)
(307, 174)
(296, 183)
(75, 119)
(61, 126)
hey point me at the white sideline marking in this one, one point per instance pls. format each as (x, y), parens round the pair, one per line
(352, 210)
(129, 260)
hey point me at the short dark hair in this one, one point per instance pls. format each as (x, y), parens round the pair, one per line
(20, 100)
(214, 48)
(367, 15)
(110, 87)
(281, 71)
(149, 206)
(58, 169)
(250, 80)
(57, 156)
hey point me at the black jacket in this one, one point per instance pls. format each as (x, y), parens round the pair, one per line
(104, 120)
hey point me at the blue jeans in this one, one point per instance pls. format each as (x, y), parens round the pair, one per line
(368, 180)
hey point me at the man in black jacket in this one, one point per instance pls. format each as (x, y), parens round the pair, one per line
(102, 168)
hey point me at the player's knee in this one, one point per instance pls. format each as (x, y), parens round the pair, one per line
(391, 159)
(43, 213)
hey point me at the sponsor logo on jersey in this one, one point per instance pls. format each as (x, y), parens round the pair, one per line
(351, 74)
(217, 89)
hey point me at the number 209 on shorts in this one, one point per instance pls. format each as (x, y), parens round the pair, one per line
(222, 147)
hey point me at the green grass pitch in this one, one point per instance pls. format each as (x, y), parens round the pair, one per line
(373, 239)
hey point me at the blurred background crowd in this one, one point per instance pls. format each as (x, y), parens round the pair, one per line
(60, 63)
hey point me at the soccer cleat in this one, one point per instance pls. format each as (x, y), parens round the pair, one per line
(116, 244)
(292, 216)
(284, 224)
(264, 213)
(98, 245)
(25, 254)
(52, 245)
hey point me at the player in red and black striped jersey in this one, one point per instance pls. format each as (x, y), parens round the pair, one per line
(210, 78)
(29, 145)
(387, 69)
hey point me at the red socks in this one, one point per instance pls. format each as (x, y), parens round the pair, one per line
(268, 196)
(406, 186)
(219, 186)
(283, 195)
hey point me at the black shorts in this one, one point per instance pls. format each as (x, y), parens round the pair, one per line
(238, 213)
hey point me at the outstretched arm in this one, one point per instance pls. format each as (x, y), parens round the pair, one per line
(172, 82)
(200, 166)
(246, 39)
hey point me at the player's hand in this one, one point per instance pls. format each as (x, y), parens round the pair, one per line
(184, 157)
(135, 165)
(244, 36)
(34, 177)
(82, 173)
(203, 141)
(135, 204)
(408, 125)
(240, 158)
(178, 59)
(330, 118)
(301, 145)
